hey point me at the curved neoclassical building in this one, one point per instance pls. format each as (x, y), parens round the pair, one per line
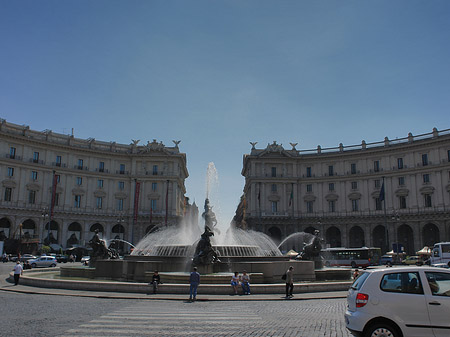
(83, 184)
(339, 192)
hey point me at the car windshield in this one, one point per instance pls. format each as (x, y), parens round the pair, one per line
(359, 281)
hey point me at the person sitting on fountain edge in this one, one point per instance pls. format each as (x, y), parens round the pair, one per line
(156, 279)
(235, 282)
(245, 283)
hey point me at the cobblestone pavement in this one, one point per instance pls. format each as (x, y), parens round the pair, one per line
(169, 318)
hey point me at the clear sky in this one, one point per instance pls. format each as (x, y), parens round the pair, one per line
(218, 74)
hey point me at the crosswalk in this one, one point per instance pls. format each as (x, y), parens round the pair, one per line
(180, 319)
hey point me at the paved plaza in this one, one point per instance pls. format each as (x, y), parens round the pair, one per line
(68, 315)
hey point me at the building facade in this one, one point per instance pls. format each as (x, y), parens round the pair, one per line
(377, 194)
(57, 189)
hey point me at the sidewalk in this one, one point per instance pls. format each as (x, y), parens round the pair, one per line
(26, 289)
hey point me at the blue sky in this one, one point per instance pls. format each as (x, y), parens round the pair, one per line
(218, 74)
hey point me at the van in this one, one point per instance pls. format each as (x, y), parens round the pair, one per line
(441, 253)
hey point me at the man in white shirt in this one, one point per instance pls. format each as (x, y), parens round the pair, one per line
(18, 270)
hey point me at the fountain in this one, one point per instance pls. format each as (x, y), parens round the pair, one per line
(173, 250)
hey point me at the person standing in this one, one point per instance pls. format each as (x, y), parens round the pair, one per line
(18, 271)
(156, 279)
(194, 281)
(290, 282)
(245, 283)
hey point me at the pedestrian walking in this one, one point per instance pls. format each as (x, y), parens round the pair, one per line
(245, 283)
(289, 282)
(18, 271)
(4, 258)
(194, 281)
(156, 279)
(235, 282)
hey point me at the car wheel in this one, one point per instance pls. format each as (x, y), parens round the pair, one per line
(52, 265)
(33, 265)
(384, 329)
(354, 264)
(327, 264)
(448, 264)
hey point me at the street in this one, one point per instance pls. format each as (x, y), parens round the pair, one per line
(47, 315)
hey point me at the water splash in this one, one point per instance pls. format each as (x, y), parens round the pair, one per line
(296, 241)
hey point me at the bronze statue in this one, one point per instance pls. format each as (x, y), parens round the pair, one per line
(312, 249)
(204, 252)
(99, 249)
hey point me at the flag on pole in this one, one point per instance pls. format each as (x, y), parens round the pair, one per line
(54, 183)
(381, 197)
(292, 196)
(136, 199)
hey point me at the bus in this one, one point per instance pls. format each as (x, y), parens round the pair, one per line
(441, 253)
(354, 257)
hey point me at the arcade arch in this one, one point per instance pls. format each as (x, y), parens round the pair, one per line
(356, 237)
(333, 237)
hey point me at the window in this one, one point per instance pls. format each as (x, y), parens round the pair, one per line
(402, 283)
(399, 163)
(309, 188)
(308, 171)
(8, 194)
(101, 166)
(153, 204)
(36, 157)
(354, 185)
(331, 186)
(426, 178)
(100, 183)
(330, 170)
(121, 185)
(58, 178)
(274, 206)
(332, 206)
(424, 159)
(377, 183)
(122, 169)
(378, 205)
(439, 283)
(79, 181)
(274, 187)
(309, 206)
(448, 155)
(34, 175)
(56, 199)
(77, 201)
(99, 202)
(10, 171)
(353, 168)
(376, 166)
(31, 197)
(155, 170)
(274, 171)
(120, 204)
(401, 181)
(58, 160)
(402, 202)
(355, 205)
(12, 152)
(427, 200)
(154, 187)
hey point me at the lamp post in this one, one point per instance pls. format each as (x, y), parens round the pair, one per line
(395, 218)
(120, 221)
(44, 215)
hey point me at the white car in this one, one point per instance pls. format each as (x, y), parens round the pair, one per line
(400, 302)
(43, 261)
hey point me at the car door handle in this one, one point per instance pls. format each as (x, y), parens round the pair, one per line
(434, 303)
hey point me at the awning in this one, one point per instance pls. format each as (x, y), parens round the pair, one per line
(55, 247)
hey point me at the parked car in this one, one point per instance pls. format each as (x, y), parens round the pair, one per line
(27, 257)
(386, 260)
(62, 258)
(410, 301)
(44, 261)
(413, 260)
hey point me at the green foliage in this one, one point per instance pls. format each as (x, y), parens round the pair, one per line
(45, 249)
